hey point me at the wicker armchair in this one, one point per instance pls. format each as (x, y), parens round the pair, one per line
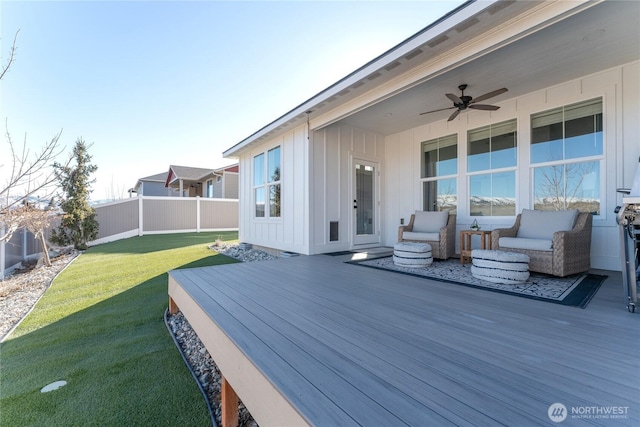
(442, 247)
(570, 251)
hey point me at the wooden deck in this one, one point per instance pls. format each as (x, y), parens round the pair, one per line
(311, 340)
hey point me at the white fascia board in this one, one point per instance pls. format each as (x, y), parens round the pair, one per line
(543, 15)
(440, 26)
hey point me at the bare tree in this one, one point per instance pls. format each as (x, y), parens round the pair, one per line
(35, 220)
(115, 191)
(28, 174)
(560, 186)
(12, 56)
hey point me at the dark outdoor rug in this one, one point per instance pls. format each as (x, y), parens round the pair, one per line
(575, 291)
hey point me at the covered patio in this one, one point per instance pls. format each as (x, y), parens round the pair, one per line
(312, 340)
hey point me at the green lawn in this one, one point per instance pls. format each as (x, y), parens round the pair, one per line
(100, 328)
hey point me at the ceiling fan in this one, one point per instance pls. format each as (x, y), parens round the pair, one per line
(463, 102)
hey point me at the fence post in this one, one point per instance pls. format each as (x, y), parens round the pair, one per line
(197, 214)
(24, 244)
(140, 215)
(2, 254)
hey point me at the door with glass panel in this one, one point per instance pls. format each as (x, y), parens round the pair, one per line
(365, 202)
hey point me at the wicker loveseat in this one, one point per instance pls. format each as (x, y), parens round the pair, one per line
(557, 242)
(435, 228)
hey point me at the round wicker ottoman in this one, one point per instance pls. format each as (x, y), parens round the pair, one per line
(500, 266)
(411, 254)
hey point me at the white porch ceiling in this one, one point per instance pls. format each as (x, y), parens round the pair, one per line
(604, 36)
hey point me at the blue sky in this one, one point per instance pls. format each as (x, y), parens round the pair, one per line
(157, 83)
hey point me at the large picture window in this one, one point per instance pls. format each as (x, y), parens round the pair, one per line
(267, 184)
(491, 169)
(566, 156)
(438, 175)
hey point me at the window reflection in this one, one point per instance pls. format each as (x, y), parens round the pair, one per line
(492, 147)
(568, 186)
(558, 138)
(493, 194)
(267, 184)
(439, 170)
(440, 195)
(440, 157)
(259, 196)
(258, 170)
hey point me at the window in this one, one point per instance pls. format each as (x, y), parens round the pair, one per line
(438, 175)
(567, 157)
(210, 188)
(491, 168)
(266, 183)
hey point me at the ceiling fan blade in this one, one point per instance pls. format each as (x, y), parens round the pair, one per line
(489, 95)
(455, 98)
(484, 107)
(435, 111)
(454, 115)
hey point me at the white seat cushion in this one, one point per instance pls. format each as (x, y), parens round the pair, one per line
(412, 235)
(536, 224)
(529, 244)
(430, 222)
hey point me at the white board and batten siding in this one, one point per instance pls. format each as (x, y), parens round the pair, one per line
(308, 206)
(333, 151)
(290, 231)
(316, 176)
(619, 89)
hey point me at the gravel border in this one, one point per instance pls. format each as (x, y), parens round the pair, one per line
(21, 290)
(196, 354)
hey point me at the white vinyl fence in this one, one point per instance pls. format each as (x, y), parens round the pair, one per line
(136, 217)
(163, 215)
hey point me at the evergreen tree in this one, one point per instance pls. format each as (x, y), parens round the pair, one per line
(79, 224)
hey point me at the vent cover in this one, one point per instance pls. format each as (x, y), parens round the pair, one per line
(333, 231)
(435, 42)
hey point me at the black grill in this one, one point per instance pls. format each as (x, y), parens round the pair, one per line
(628, 219)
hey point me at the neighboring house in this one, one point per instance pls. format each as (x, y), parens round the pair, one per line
(343, 169)
(185, 181)
(152, 186)
(224, 183)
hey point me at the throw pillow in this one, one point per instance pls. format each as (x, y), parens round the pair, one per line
(430, 222)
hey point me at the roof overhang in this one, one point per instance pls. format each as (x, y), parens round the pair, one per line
(434, 58)
(357, 79)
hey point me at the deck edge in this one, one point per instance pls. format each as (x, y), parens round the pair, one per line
(265, 403)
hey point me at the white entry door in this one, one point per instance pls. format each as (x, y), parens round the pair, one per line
(365, 202)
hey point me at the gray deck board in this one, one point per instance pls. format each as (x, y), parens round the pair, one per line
(352, 345)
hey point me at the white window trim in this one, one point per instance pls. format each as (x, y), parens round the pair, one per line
(455, 176)
(266, 185)
(515, 168)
